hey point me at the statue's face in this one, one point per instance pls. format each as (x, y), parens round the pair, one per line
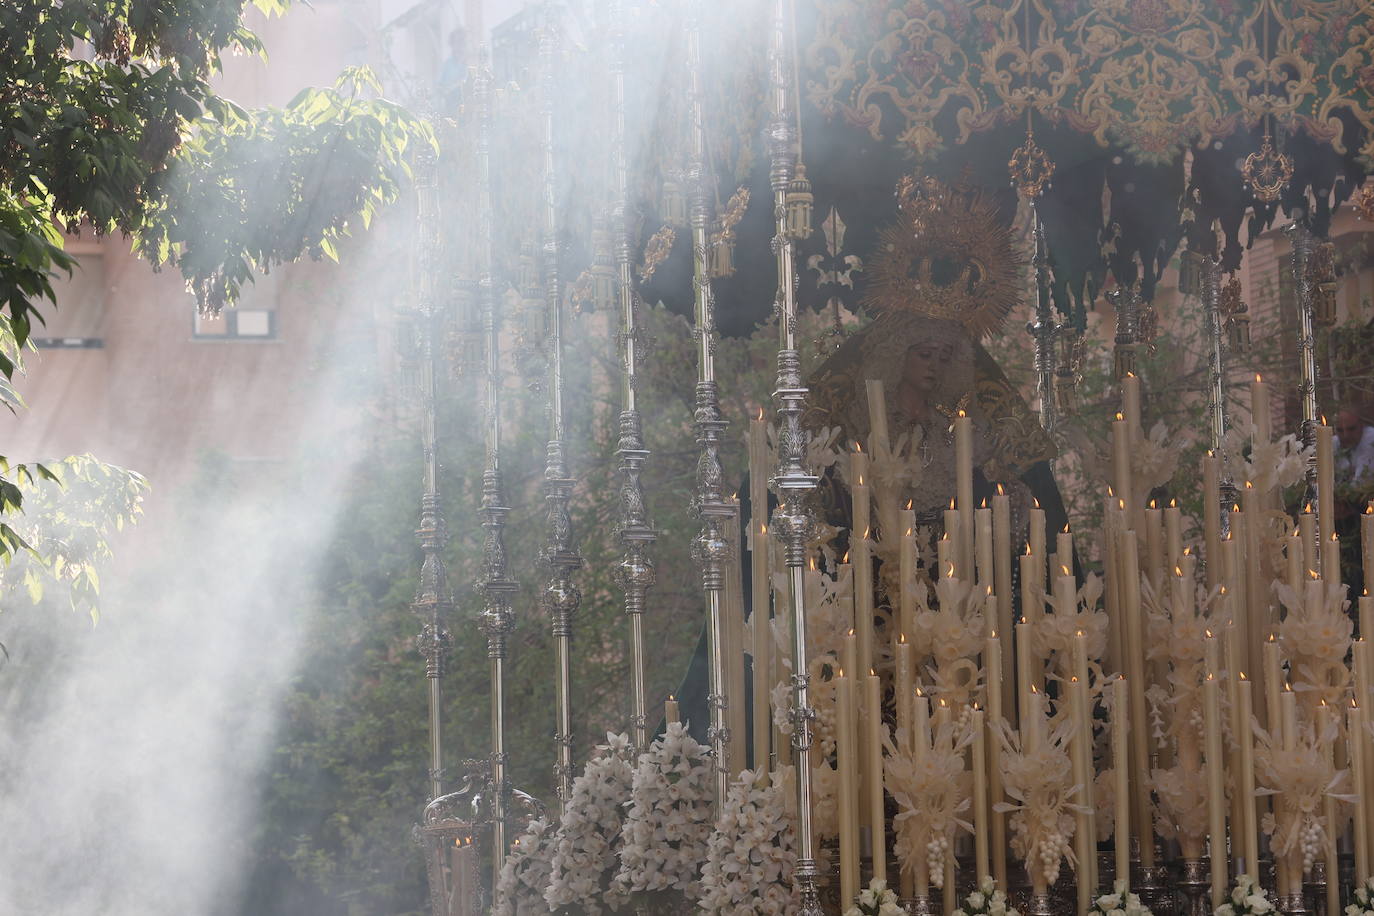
(923, 365)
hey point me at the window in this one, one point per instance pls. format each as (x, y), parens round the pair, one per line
(253, 317)
(77, 323)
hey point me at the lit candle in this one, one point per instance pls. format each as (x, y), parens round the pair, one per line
(1366, 612)
(863, 566)
(906, 567)
(733, 650)
(670, 711)
(1367, 543)
(982, 526)
(1036, 536)
(1135, 673)
(1035, 727)
(905, 687)
(1121, 459)
(1211, 515)
(1032, 587)
(1326, 483)
(846, 747)
(874, 734)
(963, 464)
(1121, 779)
(1293, 557)
(1216, 792)
(1173, 534)
(1307, 528)
(1355, 729)
(1259, 409)
(944, 556)
(1027, 668)
(1289, 704)
(1130, 404)
(1002, 552)
(1154, 544)
(1273, 683)
(1080, 764)
(1064, 548)
(980, 798)
(1331, 558)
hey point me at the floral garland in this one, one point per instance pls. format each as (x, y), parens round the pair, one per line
(585, 858)
(525, 874)
(876, 900)
(988, 900)
(1247, 899)
(750, 858)
(1120, 902)
(1363, 902)
(668, 823)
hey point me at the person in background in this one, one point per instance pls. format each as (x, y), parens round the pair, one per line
(1354, 447)
(454, 71)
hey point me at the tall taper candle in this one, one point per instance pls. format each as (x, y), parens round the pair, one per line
(1063, 555)
(1173, 534)
(1250, 829)
(848, 789)
(1355, 728)
(980, 798)
(877, 415)
(1307, 530)
(1154, 545)
(993, 660)
(982, 527)
(1216, 781)
(1367, 544)
(1259, 409)
(1036, 540)
(963, 466)
(670, 711)
(906, 567)
(1211, 516)
(904, 688)
(1135, 673)
(1081, 766)
(1121, 459)
(873, 733)
(1121, 763)
(1326, 485)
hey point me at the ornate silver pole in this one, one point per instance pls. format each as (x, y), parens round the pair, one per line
(561, 598)
(1304, 246)
(792, 522)
(1043, 329)
(1210, 288)
(496, 584)
(635, 574)
(433, 599)
(711, 549)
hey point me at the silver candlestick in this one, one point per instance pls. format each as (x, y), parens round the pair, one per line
(496, 585)
(711, 549)
(561, 598)
(792, 523)
(635, 573)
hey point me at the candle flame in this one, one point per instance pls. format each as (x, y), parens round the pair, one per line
(901, 640)
(1258, 377)
(1066, 527)
(1323, 423)
(1369, 509)
(961, 413)
(763, 527)
(1307, 509)
(1037, 504)
(1235, 507)
(671, 697)
(1210, 676)
(945, 536)
(1243, 676)
(841, 674)
(985, 503)
(867, 532)
(851, 631)
(859, 447)
(1287, 686)
(1209, 633)
(813, 564)
(1271, 637)
(920, 692)
(1119, 417)
(1110, 491)
(1223, 589)
(872, 673)
(951, 502)
(908, 503)
(1188, 551)
(1353, 704)
(1028, 550)
(1066, 570)
(1033, 690)
(1312, 574)
(989, 591)
(844, 559)
(1130, 375)
(1001, 491)
(993, 633)
(908, 532)
(1210, 453)
(1335, 537)
(1121, 504)
(1178, 571)
(1249, 485)
(1080, 633)
(760, 417)
(735, 495)
(942, 702)
(861, 480)
(1073, 679)
(1153, 504)
(951, 571)
(1323, 701)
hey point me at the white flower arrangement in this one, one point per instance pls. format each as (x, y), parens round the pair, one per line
(932, 791)
(876, 900)
(1298, 778)
(1182, 793)
(525, 874)
(1280, 463)
(1120, 902)
(988, 900)
(1316, 638)
(668, 821)
(589, 834)
(750, 858)
(1247, 899)
(1362, 902)
(1041, 781)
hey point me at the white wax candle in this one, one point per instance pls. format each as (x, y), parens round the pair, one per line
(670, 711)
(1173, 534)
(1355, 728)
(1259, 409)
(1216, 792)
(963, 464)
(846, 748)
(1121, 763)
(1326, 486)
(877, 415)
(983, 537)
(1211, 516)
(1121, 459)
(874, 735)
(1250, 829)
(980, 798)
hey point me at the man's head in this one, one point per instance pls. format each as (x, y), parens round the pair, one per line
(1349, 428)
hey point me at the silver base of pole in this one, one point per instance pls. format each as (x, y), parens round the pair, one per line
(1196, 886)
(916, 906)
